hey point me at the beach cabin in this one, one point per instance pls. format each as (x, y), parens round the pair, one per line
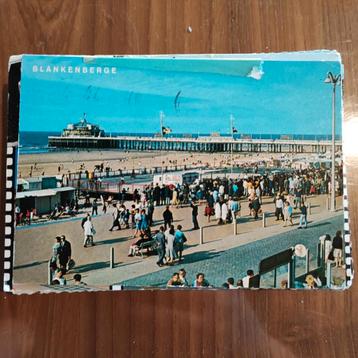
(37, 183)
(44, 200)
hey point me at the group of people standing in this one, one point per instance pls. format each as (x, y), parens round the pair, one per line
(170, 244)
(61, 259)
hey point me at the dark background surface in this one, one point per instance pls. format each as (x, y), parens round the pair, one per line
(182, 324)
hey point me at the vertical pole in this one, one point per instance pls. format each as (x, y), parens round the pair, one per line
(263, 219)
(308, 261)
(275, 278)
(111, 257)
(161, 118)
(333, 190)
(201, 235)
(329, 274)
(232, 139)
(289, 268)
(49, 274)
(319, 254)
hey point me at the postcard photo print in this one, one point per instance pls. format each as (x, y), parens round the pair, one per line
(178, 172)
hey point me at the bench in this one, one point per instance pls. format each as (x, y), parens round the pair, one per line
(150, 246)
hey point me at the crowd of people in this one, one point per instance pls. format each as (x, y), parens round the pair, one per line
(222, 199)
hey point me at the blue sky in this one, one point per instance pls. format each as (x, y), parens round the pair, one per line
(289, 98)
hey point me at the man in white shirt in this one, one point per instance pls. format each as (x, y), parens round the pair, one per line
(246, 279)
(279, 208)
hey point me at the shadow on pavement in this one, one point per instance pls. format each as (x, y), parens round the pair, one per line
(36, 263)
(91, 267)
(112, 241)
(321, 224)
(199, 256)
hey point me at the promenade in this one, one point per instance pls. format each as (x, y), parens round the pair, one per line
(36, 242)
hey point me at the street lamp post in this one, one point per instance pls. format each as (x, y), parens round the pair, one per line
(334, 80)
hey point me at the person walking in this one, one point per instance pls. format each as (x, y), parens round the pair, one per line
(64, 253)
(303, 216)
(235, 208)
(287, 213)
(168, 217)
(88, 232)
(279, 208)
(116, 216)
(84, 219)
(194, 215)
(94, 207)
(256, 207)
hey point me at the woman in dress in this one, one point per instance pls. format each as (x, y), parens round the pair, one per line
(175, 197)
(169, 246)
(224, 212)
(217, 209)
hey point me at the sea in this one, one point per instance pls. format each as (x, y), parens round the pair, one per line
(37, 142)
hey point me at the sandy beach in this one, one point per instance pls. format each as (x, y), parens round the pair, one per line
(71, 161)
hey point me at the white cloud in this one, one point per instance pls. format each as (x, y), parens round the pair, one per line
(256, 73)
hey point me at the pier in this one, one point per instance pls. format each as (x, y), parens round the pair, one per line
(200, 144)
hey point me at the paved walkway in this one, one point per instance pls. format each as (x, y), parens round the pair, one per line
(223, 258)
(33, 244)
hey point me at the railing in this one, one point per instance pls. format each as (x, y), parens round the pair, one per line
(129, 172)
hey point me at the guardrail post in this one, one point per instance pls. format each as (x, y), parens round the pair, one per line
(319, 255)
(235, 225)
(329, 274)
(263, 219)
(308, 261)
(111, 257)
(201, 235)
(49, 273)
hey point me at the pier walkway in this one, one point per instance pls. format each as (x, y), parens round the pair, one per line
(201, 144)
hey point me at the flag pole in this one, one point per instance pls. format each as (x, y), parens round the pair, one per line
(161, 118)
(232, 138)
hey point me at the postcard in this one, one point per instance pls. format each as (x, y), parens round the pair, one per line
(176, 172)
